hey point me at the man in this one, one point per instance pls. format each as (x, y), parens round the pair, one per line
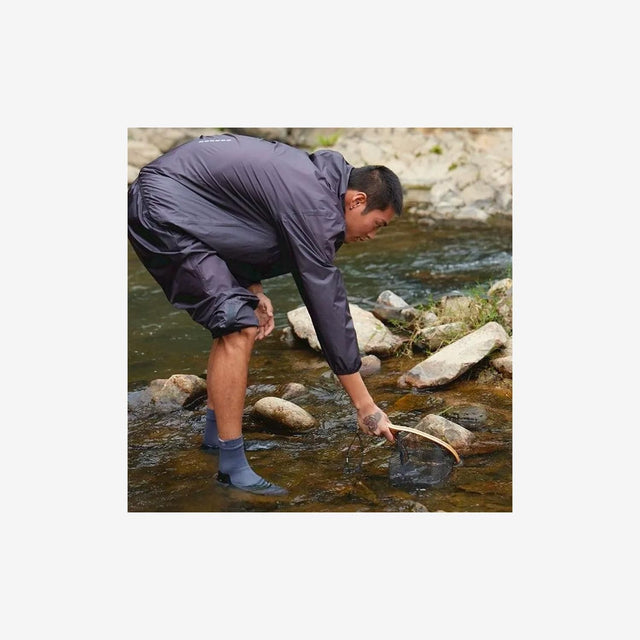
(212, 218)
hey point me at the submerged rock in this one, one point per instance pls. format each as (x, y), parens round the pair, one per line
(292, 390)
(373, 336)
(453, 360)
(284, 413)
(469, 416)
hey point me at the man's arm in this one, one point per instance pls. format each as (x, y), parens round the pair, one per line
(371, 419)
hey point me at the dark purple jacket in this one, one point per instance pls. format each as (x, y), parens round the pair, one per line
(266, 209)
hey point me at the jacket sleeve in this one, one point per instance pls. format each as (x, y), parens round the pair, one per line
(310, 240)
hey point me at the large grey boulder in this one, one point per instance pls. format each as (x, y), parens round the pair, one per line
(284, 413)
(453, 360)
(373, 336)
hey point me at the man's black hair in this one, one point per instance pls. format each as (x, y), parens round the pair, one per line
(381, 185)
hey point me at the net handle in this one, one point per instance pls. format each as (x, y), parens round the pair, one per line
(399, 427)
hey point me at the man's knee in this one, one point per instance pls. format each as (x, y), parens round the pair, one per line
(243, 339)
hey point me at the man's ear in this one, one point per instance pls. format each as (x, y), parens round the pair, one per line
(359, 198)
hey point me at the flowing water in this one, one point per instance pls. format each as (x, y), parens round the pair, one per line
(167, 471)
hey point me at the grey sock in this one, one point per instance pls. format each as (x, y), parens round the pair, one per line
(211, 430)
(233, 462)
(234, 469)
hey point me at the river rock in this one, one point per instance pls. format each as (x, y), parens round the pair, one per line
(471, 417)
(373, 336)
(457, 436)
(435, 337)
(179, 390)
(390, 306)
(370, 365)
(284, 413)
(503, 365)
(453, 360)
(292, 390)
(501, 293)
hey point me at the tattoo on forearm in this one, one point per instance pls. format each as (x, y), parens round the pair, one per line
(372, 421)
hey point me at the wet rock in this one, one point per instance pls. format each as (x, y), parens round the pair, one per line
(390, 306)
(453, 360)
(178, 391)
(292, 390)
(373, 336)
(370, 365)
(458, 437)
(284, 413)
(287, 337)
(503, 365)
(435, 337)
(471, 417)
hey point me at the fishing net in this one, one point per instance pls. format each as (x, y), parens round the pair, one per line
(418, 463)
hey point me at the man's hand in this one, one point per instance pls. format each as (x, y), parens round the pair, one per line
(264, 312)
(374, 422)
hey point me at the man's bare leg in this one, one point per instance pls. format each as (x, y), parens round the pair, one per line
(227, 375)
(210, 440)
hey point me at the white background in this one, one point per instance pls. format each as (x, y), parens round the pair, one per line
(563, 75)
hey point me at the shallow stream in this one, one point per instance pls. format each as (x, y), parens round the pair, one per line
(168, 472)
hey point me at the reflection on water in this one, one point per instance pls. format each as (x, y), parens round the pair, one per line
(168, 471)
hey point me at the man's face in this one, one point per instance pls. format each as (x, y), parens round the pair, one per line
(361, 227)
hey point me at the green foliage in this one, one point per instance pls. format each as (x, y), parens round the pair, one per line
(436, 149)
(453, 166)
(480, 310)
(328, 141)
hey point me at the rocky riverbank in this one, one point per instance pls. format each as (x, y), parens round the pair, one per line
(447, 174)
